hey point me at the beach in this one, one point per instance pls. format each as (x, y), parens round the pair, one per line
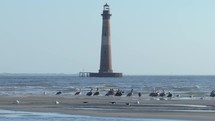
(37, 98)
(108, 106)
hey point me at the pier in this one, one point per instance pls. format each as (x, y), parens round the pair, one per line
(84, 74)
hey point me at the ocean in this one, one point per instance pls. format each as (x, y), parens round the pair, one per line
(27, 85)
(197, 86)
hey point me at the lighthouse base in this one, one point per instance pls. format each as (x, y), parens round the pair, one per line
(105, 75)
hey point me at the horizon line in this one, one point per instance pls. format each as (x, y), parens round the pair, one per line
(74, 74)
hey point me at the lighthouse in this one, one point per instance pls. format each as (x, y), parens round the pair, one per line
(105, 59)
(106, 54)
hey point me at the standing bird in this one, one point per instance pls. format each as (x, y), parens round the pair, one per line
(118, 93)
(44, 93)
(130, 93)
(56, 102)
(90, 93)
(162, 94)
(16, 102)
(212, 93)
(78, 92)
(169, 94)
(139, 94)
(59, 93)
(97, 92)
(127, 104)
(154, 93)
(110, 92)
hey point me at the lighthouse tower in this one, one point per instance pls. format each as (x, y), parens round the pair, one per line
(105, 57)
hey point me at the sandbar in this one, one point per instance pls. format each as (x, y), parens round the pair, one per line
(107, 106)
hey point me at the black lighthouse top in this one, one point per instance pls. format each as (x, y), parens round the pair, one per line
(106, 12)
(106, 7)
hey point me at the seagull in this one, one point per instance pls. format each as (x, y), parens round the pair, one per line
(56, 102)
(97, 92)
(16, 102)
(130, 93)
(59, 93)
(44, 93)
(90, 93)
(78, 93)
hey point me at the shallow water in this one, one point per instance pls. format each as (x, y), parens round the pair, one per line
(197, 86)
(6, 115)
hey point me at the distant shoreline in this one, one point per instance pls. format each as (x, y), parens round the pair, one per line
(36, 74)
(66, 74)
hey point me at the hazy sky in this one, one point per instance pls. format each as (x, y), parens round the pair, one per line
(149, 37)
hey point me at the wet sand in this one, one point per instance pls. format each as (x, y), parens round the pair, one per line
(189, 109)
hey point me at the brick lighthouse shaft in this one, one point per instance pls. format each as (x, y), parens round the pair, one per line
(105, 59)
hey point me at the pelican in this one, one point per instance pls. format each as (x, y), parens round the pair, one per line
(59, 93)
(163, 93)
(169, 94)
(78, 92)
(97, 92)
(130, 93)
(90, 93)
(154, 93)
(118, 93)
(139, 94)
(212, 93)
(110, 92)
